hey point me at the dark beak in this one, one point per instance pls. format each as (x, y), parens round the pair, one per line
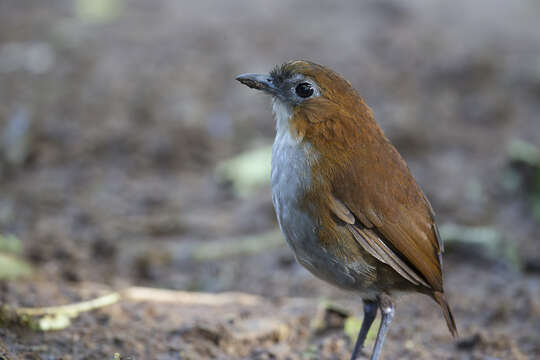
(258, 81)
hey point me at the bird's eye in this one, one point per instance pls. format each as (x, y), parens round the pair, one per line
(304, 90)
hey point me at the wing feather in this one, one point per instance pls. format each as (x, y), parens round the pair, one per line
(397, 224)
(376, 247)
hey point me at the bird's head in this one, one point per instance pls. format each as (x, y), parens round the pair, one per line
(306, 94)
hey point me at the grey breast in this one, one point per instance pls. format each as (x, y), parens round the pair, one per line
(290, 179)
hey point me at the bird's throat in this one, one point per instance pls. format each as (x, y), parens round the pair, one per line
(282, 113)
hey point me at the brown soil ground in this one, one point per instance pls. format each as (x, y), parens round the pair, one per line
(133, 106)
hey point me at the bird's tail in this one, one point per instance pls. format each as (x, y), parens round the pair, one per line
(447, 312)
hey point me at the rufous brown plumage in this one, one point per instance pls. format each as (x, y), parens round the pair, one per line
(345, 198)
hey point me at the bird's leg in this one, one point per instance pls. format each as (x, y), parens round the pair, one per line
(370, 311)
(387, 314)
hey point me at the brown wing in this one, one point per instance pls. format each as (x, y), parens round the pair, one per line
(369, 238)
(373, 244)
(395, 221)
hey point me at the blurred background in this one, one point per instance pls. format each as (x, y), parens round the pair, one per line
(129, 155)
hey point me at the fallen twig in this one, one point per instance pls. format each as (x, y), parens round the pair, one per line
(190, 298)
(59, 317)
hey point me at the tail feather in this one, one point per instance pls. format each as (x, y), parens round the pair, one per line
(447, 312)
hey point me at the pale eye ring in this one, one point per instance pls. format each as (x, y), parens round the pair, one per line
(304, 90)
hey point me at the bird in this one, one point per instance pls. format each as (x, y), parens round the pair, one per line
(345, 200)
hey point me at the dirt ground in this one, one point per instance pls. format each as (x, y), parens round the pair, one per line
(115, 115)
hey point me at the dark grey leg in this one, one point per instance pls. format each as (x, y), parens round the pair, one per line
(370, 311)
(387, 314)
